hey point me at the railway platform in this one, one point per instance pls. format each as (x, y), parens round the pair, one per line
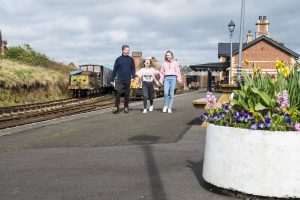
(100, 155)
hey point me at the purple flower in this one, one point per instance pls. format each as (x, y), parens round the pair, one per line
(268, 122)
(233, 119)
(283, 100)
(261, 125)
(253, 125)
(222, 114)
(246, 117)
(245, 112)
(287, 118)
(292, 123)
(216, 117)
(250, 116)
(240, 118)
(297, 127)
(226, 108)
(211, 101)
(203, 118)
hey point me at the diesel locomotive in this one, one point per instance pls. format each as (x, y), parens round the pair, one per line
(89, 80)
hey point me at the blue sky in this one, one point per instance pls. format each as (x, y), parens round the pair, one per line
(93, 31)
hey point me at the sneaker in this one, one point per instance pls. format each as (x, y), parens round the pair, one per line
(116, 110)
(145, 111)
(169, 110)
(126, 110)
(151, 108)
(165, 109)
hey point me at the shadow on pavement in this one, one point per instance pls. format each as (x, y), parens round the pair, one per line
(157, 188)
(195, 121)
(197, 168)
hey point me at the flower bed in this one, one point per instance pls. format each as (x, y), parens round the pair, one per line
(261, 103)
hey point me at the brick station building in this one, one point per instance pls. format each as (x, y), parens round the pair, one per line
(263, 51)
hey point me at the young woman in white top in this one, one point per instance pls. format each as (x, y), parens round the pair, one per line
(147, 75)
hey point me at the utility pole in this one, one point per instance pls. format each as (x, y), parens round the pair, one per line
(239, 69)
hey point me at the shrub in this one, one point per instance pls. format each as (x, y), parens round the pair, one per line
(27, 55)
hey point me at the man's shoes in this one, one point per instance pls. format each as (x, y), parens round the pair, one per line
(165, 109)
(151, 108)
(169, 110)
(144, 111)
(116, 110)
(126, 110)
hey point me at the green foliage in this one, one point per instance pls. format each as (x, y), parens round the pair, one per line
(256, 93)
(27, 55)
(259, 92)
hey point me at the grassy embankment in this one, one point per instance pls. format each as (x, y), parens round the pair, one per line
(27, 76)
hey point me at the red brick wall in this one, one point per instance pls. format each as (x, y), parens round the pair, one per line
(137, 56)
(263, 54)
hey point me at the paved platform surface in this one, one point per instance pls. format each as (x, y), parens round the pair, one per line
(153, 156)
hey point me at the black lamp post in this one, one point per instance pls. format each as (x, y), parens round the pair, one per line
(231, 27)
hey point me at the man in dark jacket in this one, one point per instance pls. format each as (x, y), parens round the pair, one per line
(124, 70)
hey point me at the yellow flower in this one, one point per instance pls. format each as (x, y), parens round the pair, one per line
(259, 68)
(255, 70)
(286, 71)
(253, 112)
(294, 114)
(279, 64)
(246, 61)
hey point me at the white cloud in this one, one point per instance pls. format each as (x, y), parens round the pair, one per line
(118, 36)
(93, 31)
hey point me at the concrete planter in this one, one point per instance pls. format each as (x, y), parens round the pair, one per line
(228, 88)
(255, 162)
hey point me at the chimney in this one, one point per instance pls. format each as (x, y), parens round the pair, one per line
(137, 56)
(249, 37)
(262, 27)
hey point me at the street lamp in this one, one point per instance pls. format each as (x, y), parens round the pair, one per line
(231, 27)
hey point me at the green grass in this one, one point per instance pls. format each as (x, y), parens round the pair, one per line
(27, 76)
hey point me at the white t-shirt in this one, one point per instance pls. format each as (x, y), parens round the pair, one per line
(147, 74)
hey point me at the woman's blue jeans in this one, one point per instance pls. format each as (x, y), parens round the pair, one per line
(169, 89)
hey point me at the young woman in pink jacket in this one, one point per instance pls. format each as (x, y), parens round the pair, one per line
(169, 73)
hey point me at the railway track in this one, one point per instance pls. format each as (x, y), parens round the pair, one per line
(26, 114)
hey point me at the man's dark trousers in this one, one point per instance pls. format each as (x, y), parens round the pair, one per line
(122, 86)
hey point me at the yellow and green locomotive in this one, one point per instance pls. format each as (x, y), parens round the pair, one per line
(90, 79)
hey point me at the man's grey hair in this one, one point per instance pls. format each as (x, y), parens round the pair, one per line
(125, 46)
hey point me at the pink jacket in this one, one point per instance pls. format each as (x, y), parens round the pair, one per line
(170, 68)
